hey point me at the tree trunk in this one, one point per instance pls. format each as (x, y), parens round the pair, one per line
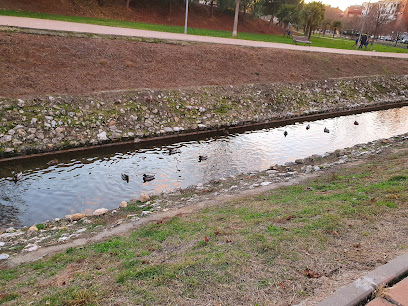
(270, 21)
(212, 8)
(234, 31)
(309, 32)
(334, 31)
(127, 3)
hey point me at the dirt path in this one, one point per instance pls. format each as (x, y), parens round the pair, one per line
(88, 28)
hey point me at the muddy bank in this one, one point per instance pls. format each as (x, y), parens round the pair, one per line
(49, 62)
(50, 123)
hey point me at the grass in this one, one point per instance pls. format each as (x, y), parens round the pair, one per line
(258, 244)
(316, 41)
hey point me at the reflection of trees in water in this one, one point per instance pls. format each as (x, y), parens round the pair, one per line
(8, 197)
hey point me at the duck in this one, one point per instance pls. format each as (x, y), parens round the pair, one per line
(125, 177)
(17, 177)
(201, 158)
(173, 151)
(52, 162)
(148, 177)
(326, 130)
(285, 133)
(308, 127)
(356, 123)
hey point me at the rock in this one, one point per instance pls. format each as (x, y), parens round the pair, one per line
(111, 123)
(75, 217)
(100, 211)
(34, 120)
(202, 126)
(59, 130)
(308, 169)
(6, 138)
(31, 247)
(20, 103)
(316, 168)
(114, 211)
(10, 230)
(145, 213)
(81, 230)
(265, 183)
(86, 221)
(123, 204)
(2, 244)
(32, 229)
(57, 219)
(299, 161)
(144, 197)
(4, 256)
(102, 136)
(167, 129)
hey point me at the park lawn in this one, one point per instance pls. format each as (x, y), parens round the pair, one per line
(266, 249)
(316, 41)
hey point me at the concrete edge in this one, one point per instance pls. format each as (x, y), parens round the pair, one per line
(360, 289)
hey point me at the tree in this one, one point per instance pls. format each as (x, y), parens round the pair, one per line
(287, 13)
(312, 16)
(379, 14)
(336, 25)
(235, 28)
(326, 23)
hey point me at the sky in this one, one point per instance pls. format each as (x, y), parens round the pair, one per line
(342, 4)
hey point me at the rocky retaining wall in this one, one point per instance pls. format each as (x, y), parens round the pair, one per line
(49, 123)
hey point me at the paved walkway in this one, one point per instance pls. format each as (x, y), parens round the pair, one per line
(396, 295)
(44, 24)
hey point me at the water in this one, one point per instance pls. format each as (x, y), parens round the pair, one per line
(83, 182)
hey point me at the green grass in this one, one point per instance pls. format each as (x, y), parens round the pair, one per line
(316, 41)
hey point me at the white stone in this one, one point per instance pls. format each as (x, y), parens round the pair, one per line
(4, 256)
(265, 183)
(31, 247)
(34, 120)
(81, 230)
(145, 213)
(2, 243)
(10, 230)
(100, 211)
(316, 168)
(102, 136)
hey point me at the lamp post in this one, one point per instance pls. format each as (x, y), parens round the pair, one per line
(185, 24)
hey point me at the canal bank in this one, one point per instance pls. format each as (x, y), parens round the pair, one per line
(52, 123)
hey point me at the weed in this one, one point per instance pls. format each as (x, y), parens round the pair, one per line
(7, 297)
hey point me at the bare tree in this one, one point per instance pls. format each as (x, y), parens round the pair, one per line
(379, 14)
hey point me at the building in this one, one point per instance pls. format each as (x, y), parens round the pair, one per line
(354, 10)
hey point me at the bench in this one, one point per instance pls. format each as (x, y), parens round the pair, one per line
(301, 39)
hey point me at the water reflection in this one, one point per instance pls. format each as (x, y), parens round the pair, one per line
(82, 183)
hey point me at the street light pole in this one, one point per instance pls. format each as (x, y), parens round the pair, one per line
(185, 24)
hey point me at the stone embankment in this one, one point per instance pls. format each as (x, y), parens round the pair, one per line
(50, 123)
